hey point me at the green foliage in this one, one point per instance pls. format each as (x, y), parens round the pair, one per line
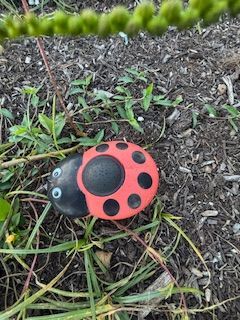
(144, 17)
(122, 104)
(5, 208)
(233, 114)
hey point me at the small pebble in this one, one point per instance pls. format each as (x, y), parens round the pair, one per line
(28, 60)
(208, 169)
(211, 221)
(208, 294)
(140, 119)
(236, 228)
(197, 272)
(210, 213)
(189, 143)
(184, 170)
(222, 88)
(222, 167)
(207, 163)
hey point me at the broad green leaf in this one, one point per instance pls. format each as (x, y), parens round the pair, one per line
(90, 142)
(177, 101)
(102, 95)
(30, 90)
(194, 119)
(138, 74)
(60, 121)
(121, 112)
(75, 90)
(82, 102)
(147, 97)
(5, 146)
(64, 140)
(233, 124)
(129, 110)
(211, 111)
(158, 98)
(5, 208)
(88, 80)
(18, 130)
(35, 100)
(125, 79)
(164, 103)
(128, 104)
(99, 136)
(135, 125)
(119, 97)
(87, 117)
(6, 175)
(46, 122)
(133, 71)
(233, 111)
(122, 89)
(6, 113)
(77, 82)
(115, 127)
(130, 114)
(15, 220)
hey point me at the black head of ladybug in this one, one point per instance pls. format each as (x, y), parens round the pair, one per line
(63, 190)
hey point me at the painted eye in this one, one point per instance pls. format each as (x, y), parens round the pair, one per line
(57, 172)
(56, 193)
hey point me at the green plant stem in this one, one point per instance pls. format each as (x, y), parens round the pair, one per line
(27, 159)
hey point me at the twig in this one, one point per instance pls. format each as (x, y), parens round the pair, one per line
(53, 79)
(53, 154)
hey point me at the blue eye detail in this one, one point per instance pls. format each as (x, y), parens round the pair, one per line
(57, 172)
(56, 193)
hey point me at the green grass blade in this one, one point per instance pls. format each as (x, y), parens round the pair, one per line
(37, 225)
(90, 286)
(162, 293)
(121, 283)
(78, 245)
(138, 277)
(183, 234)
(78, 314)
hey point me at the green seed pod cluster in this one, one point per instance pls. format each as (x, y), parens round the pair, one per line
(234, 7)
(145, 17)
(171, 10)
(118, 18)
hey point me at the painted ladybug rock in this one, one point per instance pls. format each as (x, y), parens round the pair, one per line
(114, 180)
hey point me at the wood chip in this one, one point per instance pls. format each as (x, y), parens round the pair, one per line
(160, 283)
(234, 178)
(208, 294)
(210, 213)
(197, 272)
(222, 89)
(229, 85)
(104, 257)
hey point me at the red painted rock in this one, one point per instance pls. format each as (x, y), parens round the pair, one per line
(114, 180)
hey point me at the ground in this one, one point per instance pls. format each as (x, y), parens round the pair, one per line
(198, 162)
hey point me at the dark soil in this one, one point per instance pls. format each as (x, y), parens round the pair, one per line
(193, 161)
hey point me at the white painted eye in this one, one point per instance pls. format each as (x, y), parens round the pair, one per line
(56, 193)
(56, 172)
